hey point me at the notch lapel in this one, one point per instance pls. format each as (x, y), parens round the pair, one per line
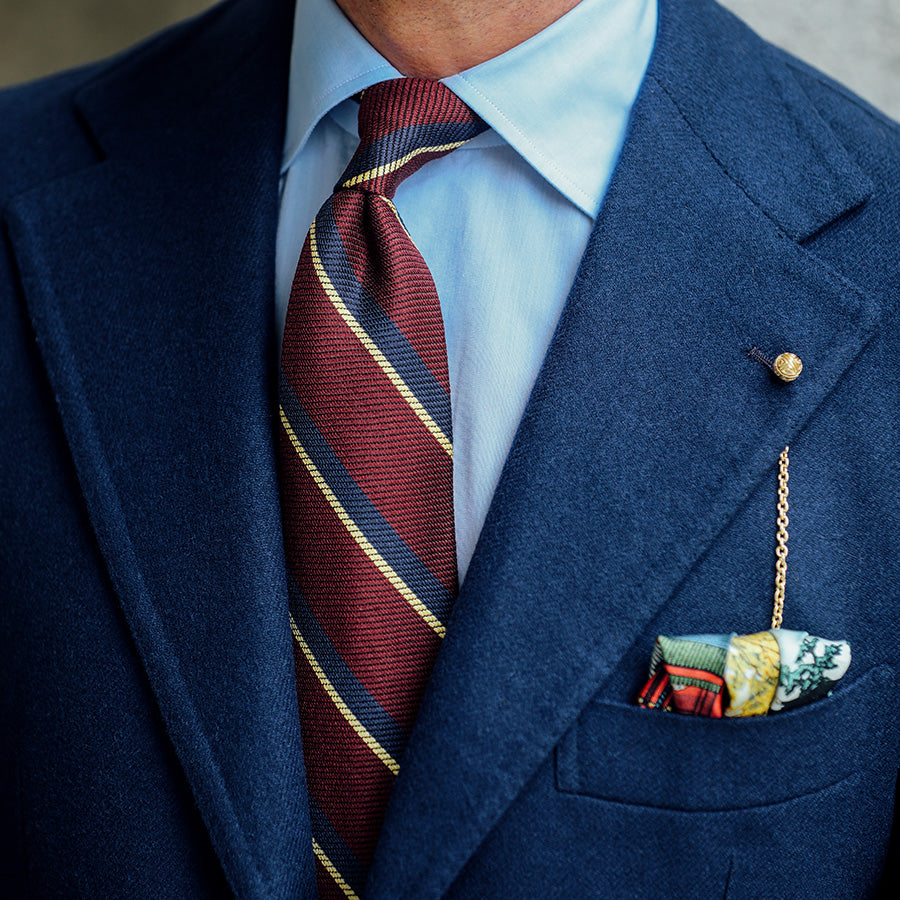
(647, 429)
(149, 279)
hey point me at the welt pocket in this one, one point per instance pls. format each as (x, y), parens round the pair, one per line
(649, 758)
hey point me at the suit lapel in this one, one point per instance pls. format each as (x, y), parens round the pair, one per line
(149, 279)
(648, 427)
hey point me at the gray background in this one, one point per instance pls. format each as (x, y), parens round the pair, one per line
(856, 41)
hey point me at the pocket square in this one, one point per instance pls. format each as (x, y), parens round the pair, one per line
(742, 675)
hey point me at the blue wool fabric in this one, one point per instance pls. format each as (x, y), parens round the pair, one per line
(152, 745)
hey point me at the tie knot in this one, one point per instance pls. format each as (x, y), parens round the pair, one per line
(403, 124)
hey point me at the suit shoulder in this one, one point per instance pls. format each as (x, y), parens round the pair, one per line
(871, 138)
(819, 161)
(42, 133)
(862, 245)
(40, 136)
(864, 130)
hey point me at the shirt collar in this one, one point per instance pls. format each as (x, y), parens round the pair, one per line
(561, 99)
(330, 62)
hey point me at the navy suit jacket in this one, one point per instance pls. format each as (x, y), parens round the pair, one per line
(151, 741)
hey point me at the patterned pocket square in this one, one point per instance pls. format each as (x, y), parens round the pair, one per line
(742, 675)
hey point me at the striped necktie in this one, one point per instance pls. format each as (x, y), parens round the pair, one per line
(367, 475)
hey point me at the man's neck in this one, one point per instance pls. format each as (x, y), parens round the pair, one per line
(437, 38)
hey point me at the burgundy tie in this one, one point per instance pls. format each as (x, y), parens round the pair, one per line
(367, 475)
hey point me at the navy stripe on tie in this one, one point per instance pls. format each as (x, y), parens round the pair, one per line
(378, 531)
(398, 143)
(341, 856)
(371, 714)
(398, 351)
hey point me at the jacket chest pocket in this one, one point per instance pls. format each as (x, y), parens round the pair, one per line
(794, 804)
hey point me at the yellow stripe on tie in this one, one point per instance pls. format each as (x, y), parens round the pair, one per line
(360, 729)
(376, 354)
(377, 559)
(333, 872)
(387, 168)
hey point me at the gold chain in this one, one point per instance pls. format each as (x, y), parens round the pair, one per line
(781, 551)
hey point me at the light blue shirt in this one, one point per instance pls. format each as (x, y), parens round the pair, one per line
(501, 222)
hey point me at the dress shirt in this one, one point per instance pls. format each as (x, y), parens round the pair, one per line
(502, 222)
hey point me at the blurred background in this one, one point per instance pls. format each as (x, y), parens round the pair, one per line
(856, 41)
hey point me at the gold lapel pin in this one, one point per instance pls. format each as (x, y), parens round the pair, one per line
(786, 366)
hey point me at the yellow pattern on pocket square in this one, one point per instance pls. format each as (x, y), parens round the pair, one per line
(752, 666)
(742, 675)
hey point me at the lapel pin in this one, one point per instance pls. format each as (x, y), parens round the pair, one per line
(739, 675)
(786, 366)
